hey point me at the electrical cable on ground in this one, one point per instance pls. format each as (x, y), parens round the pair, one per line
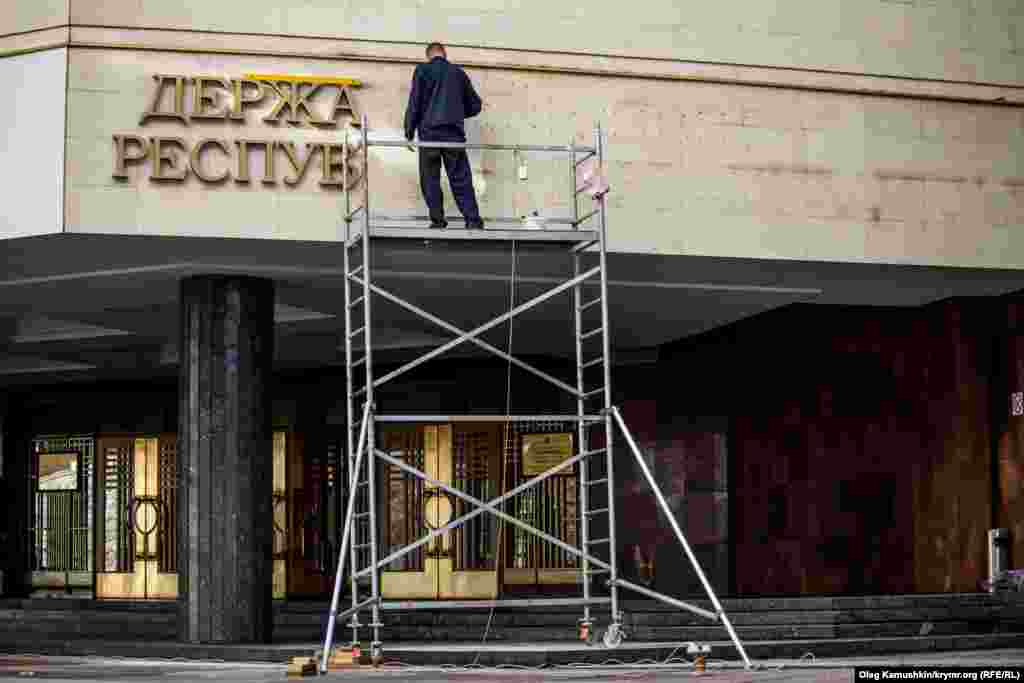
(397, 665)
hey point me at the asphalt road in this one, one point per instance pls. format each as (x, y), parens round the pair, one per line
(88, 669)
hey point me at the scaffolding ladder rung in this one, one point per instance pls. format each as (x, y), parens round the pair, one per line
(584, 245)
(599, 511)
(355, 271)
(352, 215)
(593, 392)
(592, 302)
(359, 546)
(586, 218)
(356, 332)
(595, 482)
(356, 301)
(598, 571)
(591, 333)
(592, 363)
(598, 541)
(359, 361)
(360, 515)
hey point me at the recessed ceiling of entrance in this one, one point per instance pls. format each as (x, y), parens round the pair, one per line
(108, 304)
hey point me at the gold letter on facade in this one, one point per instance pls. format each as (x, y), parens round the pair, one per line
(163, 153)
(238, 88)
(196, 162)
(297, 166)
(294, 101)
(268, 162)
(179, 100)
(243, 161)
(335, 158)
(203, 101)
(242, 176)
(342, 105)
(122, 155)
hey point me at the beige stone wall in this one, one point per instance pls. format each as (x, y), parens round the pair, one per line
(696, 168)
(32, 143)
(977, 40)
(19, 16)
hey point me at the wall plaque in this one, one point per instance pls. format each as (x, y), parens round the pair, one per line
(543, 451)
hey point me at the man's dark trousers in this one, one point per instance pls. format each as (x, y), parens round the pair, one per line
(460, 177)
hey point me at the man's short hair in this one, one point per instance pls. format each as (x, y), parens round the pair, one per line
(435, 49)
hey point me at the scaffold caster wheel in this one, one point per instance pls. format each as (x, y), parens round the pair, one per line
(585, 632)
(376, 654)
(613, 636)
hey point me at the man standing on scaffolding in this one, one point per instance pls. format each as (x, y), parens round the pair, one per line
(442, 97)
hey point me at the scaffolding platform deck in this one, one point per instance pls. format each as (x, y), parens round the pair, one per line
(425, 419)
(418, 230)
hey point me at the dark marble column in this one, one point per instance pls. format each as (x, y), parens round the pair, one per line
(224, 460)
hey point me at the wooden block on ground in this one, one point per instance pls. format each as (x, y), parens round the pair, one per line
(302, 666)
(341, 659)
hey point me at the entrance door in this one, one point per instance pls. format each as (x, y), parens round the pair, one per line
(136, 555)
(138, 491)
(305, 499)
(531, 563)
(61, 533)
(460, 564)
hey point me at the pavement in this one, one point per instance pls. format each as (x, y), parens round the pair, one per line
(88, 669)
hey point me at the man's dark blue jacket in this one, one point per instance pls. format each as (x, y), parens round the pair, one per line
(442, 97)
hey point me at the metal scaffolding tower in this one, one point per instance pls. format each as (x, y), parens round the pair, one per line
(595, 419)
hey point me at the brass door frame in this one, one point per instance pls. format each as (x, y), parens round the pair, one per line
(148, 521)
(73, 536)
(292, 573)
(539, 550)
(439, 579)
(411, 583)
(147, 516)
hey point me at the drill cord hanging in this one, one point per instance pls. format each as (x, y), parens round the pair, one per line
(499, 540)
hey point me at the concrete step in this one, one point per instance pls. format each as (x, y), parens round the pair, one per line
(514, 619)
(889, 616)
(731, 605)
(569, 632)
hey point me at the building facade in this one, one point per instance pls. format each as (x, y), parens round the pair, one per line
(816, 259)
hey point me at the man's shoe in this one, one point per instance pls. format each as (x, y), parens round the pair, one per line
(439, 225)
(474, 225)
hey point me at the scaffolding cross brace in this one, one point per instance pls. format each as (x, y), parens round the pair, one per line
(593, 405)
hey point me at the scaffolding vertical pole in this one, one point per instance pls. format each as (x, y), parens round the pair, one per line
(660, 498)
(614, 627)
(371, 463)
(581, 428)
(350, 402)
(346, 542)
